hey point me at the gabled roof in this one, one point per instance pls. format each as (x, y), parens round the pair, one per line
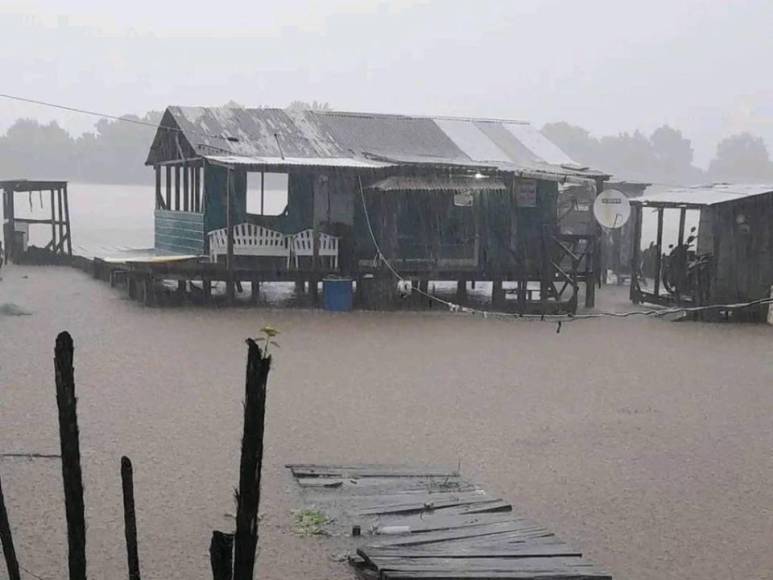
(702, 195)
(282, 138)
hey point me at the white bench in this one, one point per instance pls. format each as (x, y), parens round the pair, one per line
(249, 240)
(302, 244)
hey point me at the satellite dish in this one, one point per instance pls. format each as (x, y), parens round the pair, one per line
(611, 209)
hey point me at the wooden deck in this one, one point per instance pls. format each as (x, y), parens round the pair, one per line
(431, 523)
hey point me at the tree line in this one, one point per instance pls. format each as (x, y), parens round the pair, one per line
(665, 156)
(115, 152)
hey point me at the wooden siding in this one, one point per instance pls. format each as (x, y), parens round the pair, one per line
(179, 232)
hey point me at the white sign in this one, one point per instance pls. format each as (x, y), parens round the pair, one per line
(526, 192)
(463, 199)
(611, 209)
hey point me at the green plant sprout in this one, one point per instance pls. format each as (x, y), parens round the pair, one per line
(269, 332)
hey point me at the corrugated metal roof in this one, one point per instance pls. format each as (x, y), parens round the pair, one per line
(703, 195)
(421, 183)
(298, 161)
(266, 135)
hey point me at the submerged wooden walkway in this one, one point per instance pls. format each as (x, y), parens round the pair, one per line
(431, 524)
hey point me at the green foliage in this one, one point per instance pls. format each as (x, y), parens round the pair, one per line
(309, 522)
(269, 332)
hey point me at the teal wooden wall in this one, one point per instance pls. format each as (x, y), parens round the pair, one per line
(179, 232)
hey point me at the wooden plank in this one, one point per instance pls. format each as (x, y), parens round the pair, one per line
(535, 548)
(369, 470)
(511, 530)
(176, 188)
(168, 187)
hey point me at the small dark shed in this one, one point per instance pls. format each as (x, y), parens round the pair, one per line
(728, 260)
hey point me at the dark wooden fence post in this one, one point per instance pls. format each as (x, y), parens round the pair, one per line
(71, 456)
(248, 496)
(129, 518)
(7, 540)
(221, 555)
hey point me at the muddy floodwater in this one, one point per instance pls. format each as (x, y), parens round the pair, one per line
(646, 443)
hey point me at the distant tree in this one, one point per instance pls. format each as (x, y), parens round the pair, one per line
(575, 141)
(673, 151)
(31, 149)
(741, 157)
(312, 106)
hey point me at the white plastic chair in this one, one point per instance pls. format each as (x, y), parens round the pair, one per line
(302, 244)
(249, 240)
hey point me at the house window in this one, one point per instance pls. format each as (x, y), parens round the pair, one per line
(273, 200)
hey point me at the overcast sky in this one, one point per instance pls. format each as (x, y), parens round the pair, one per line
(608, 65)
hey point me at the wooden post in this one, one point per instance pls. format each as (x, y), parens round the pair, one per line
(197, 188)
(221, 555)
(67, 220)
(169, 187)
(320, 188)
(635, 254)
(159, 199)
(71, 456)
(682, 217)
(248, 496)
(186, 188)
(229, 226)
(546, 279)
(129, 518)
(590, 278)
(254, 289)
(177, 206)
(7, 540)
(497, 293)
(60, 203)
(53, 222)
(262, 192)
(461, 291)
(659, 256)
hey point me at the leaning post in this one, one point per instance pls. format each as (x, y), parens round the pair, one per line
(130, 518)
(7, 540)
(248, 496)
(71, 456)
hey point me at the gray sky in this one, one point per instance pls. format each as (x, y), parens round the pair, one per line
(608, 65)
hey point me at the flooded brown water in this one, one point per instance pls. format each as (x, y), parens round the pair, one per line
(646, 443)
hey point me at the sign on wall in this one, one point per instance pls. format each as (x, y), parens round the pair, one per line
(526, 192)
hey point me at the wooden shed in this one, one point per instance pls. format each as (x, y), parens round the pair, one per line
(444, 198)
(729, 259)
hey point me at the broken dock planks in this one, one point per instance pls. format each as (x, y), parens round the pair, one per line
(430, 523)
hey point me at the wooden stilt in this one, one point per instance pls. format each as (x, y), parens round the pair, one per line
(230, 296)
(461, 291)
(60, 204)
(11, 563)
(248, 497)
(71, 456)
(168, 185)
(221, 555)
(129, 518)
(67, 220)
(53, 222)
(254, 290)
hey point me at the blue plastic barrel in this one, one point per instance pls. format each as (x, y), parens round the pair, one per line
(337, 294)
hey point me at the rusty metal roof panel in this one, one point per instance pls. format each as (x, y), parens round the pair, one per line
(394, 137)
(703, 195)
(253, 132)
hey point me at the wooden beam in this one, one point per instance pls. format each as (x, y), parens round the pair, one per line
(11, 563)
(177, 188)
(659, 255)
(186, 187)
(251, 463)
(130, 518)
(262, 192)
(682, 217)
(229, 264)
(159, 199)
(53, 222)
(169, 187)
(67, 220)
(636, 254)
(60, 204)
(197, 188)
(71, 456)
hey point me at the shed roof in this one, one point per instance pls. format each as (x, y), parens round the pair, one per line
(434, 183)
(276, 137)
(702, 195)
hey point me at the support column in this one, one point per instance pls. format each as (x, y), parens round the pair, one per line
(659, 256)
(67, 220)
(635, 254)
(53, 222)
(177, 188)
(168, 187)
(159, 199)
(186, 188)
(229, 259)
